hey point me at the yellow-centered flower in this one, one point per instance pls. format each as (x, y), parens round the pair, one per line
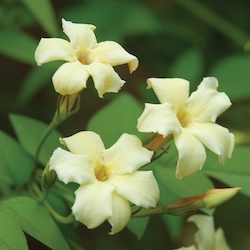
(84, 57)
(108, 178)
(190, 119)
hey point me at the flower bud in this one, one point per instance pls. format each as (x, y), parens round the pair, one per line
(217, 196)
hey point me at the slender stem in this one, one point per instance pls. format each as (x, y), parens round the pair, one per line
(215, 21)
(63, 219)
(45, 135)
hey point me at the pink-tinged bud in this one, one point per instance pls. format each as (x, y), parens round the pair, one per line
(217, 196)
(209, 199)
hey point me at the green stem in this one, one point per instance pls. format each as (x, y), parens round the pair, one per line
(65, 220)
(45, 135)
(215, 21)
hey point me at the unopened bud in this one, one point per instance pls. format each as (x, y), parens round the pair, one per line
(217, 196)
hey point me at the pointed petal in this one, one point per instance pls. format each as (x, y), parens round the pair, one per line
(215, 137)
(159, 118)
(70, 78)
(126, 155)
(87, 143)
(53, 49)
(114, 54)
(105, 78)
(81, 36)
(220, 240)
(206, 103)
(72, 168)
(93, 204)
(172, 90)
(205, 234)
(121, 214)
(192, 154)
(140, 188)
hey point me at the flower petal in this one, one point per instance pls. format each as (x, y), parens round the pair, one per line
(126, 155)
(192, 154)
(81, 36)
(87, 143)
(70, 78)
(172, 90)
(220, 240)
(72, 168)
(53, 49)
(215, 137)
(206, 103)
(105, 78)
(205, 234)
(140, 188)
(159, 118)
(121, 214)
(93, 203)
(114, 54)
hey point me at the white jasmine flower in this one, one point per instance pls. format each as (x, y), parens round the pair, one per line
(108, 178)
(84, 57)
(206, 237)
(190, 119)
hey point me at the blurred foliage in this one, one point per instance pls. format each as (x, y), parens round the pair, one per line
(171, 38)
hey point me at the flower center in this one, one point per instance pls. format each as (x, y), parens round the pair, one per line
(84, 58)
(101, 174)
(185, 119)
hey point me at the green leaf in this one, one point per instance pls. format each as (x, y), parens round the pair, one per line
(11, 235)
(236, 171)
(189, 65)
(188, 186)
(138, 226)
(29, 133)
(35, 220)
(129, 17)
(44, 14)
(192, 185)
(36, 79)
(17, 45)
(116, 118)
(233, 75)
(15, 158)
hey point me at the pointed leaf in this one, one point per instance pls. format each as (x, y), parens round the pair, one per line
(35, 220)
(17, 45)
(116, 118)
(236, 171)
(44, 14)
(233, 75)
(138, 226)
(29, 133)
(11, 235)
(36, 79)
(15, 158)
